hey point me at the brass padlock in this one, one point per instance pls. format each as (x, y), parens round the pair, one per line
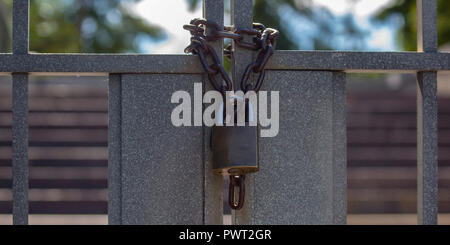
(235, 151)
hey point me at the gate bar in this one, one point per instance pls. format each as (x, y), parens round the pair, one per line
(427, 132)
(20, 116)
(20, 33)
(349, 61)
(115, 149)
(242, 17)
(213, 184)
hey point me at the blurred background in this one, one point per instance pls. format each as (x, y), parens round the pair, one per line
(69, 114)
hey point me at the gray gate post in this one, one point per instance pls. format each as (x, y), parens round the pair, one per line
(242, 17)
(302, 177)
(213, 210)
(159, 173)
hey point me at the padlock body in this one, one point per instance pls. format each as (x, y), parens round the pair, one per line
(234, 149)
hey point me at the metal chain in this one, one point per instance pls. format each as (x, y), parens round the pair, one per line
(236, 181)
(263, 39)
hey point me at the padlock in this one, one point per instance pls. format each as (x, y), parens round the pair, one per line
(235, 148)
(235, 151)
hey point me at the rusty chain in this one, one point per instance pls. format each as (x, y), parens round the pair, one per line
(236, 181)
(263, 39)
(203, 31)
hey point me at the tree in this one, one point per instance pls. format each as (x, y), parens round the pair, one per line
(106, 26)
(4, 29)
(292, 18)
(406, 11)
(101, 26)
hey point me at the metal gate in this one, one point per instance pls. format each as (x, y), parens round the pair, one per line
(161, 174)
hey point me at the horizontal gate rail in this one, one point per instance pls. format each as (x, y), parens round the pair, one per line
(359, 61)
(281, 60)
(100, 63)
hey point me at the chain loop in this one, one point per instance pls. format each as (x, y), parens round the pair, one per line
(264, 39)
(236, 181)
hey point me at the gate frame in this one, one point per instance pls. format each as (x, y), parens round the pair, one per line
(425, 63)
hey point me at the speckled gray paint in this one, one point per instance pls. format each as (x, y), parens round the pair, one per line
(242, 17)
(427, 131)
(339, 148)
(20, 117)
(20, 26)
(112, 63)
(281, 60)
(358, 61)
(427, 150)
(213, 184)
(20, 148)
(115, 150)
(165, 171)
(427, 38)
(162, 165)
(302, 170)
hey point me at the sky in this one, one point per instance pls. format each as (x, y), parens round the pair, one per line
(173, 14)
(381, 37)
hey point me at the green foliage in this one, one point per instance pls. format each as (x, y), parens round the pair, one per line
(101, 26)
(193, 4)
(304, 25)
(106, 26)
(74, 26)
(406, 10)
(5, 40)
(266, 12)
(272, 13)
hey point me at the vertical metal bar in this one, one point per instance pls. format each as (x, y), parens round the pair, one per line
(242, 17)
(115, 150)
(20, 149)
(20, 117)
(339, 149)
(427, 26)
(20, 26)
(427, 159)
(213, 184)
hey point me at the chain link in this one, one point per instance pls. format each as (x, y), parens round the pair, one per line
(264, 40)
